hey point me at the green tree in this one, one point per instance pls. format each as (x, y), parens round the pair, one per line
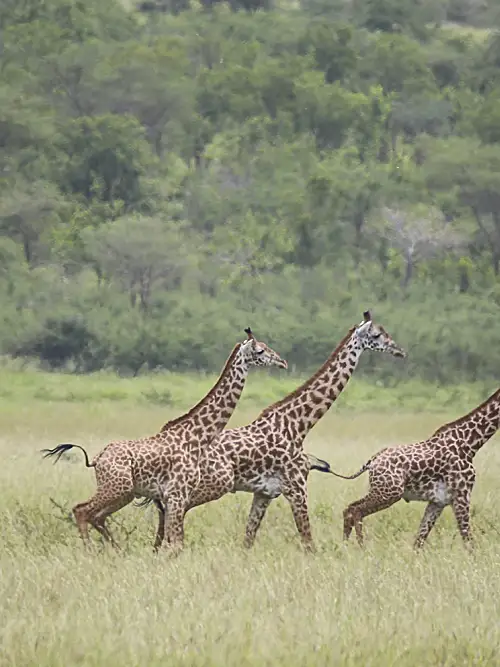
(140, 253)
(108, 159)
(28, 212)
(398, 64)
(472, 173)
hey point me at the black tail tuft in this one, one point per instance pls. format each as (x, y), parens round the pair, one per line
(57, 451)
(144, 502)
(62, 449)
(318, 464)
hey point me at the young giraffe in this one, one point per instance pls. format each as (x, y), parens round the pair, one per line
(167, 464)
(438, 471)
(266, 457)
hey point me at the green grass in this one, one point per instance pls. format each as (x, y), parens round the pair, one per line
(21, 384)
(218, 604)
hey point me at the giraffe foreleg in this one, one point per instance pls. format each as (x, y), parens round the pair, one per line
(257, 511)
(431, 515)
(461, 509)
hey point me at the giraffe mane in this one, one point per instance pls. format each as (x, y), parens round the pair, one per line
(187, 415)
(304, 386)
(466, 417)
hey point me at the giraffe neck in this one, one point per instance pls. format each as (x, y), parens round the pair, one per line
(207, 419)
(475, 428)
(301, 409)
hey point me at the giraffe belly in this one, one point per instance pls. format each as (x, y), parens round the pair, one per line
(431, 492)
(267, 484)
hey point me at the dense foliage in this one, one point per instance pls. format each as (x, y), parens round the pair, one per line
(173, 172)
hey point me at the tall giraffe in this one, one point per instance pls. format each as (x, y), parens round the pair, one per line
(438, 471)
(167, 464)
(266, 457)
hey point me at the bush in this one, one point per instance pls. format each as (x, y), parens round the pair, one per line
(60, 341)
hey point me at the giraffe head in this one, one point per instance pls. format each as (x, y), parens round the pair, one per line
(372, 336)
(257, 353)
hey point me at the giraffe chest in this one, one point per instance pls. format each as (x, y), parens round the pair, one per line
(431, 491)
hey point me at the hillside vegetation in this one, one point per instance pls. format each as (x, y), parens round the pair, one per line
(171, 172)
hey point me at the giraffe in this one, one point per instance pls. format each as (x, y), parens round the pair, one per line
(438, 471)
(266, 457)
(167, 464)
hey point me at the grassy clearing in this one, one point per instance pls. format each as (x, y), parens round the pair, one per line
(218, 604)
(24, 385)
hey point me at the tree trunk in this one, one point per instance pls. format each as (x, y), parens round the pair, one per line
(495, 260)
(408, 270)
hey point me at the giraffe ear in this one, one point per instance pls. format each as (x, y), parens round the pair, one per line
(363, 328)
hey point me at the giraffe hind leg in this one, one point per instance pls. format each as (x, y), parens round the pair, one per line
(160, 532)
(259, 507)
(82, 521)
(296, 494)
(174, 513)
(95, 511)
(431, 515)
(371, 503)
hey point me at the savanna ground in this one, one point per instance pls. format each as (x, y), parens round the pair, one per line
(218, 604)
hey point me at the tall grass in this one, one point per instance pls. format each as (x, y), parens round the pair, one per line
(218, 604)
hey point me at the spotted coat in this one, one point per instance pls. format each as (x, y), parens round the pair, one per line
(266, 457)
(168, 464)
(438, 471)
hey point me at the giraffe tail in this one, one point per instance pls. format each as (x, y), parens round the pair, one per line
(144, 502)
(62, 449)
(318, 464)
(363, 468)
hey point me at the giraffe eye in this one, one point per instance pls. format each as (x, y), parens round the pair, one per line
(377, 335)
(260, 351)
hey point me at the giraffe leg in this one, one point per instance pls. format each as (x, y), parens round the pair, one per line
(82, 521)
(259, 507)
(431, 515)
(105, 532)
(99, 518)
(95, 511)
(174, 512)
(358, 510)
(461, 509)
(160, 533)
(296, 494)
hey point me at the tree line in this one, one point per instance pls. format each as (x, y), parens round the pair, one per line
(172, 172)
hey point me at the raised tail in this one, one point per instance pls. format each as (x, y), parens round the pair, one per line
(363, 468)
(62, 449)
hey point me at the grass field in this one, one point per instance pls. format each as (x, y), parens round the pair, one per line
(218, 604)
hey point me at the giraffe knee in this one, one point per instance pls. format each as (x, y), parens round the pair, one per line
(80, 512)
(348, 514)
